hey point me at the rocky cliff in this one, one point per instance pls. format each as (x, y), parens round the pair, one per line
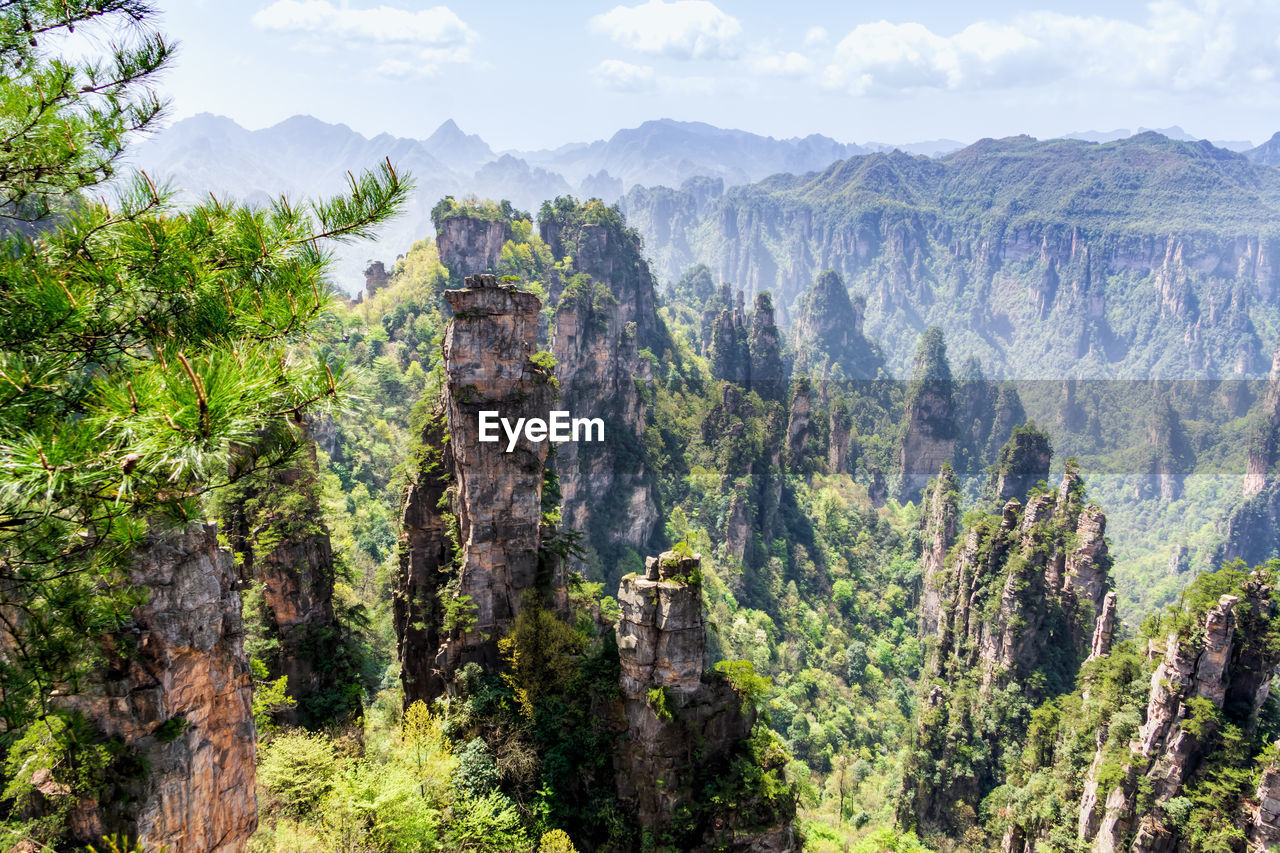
(471, 244)
(828, 337)
(603, 336)
(1036, 256)
(1251, 530)
(929, 433)
(1011, 609)
(1211, 674)
(494, 505)
(1023, 462)
(275, 526)
(684, 726)
(175, 700)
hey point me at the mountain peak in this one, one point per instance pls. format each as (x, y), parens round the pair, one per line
(453, 145)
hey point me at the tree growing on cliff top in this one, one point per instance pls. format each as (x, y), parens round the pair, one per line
(147, 355)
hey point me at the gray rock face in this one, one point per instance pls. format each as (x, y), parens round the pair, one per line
(1264, 823)
(495, 497)
(661, 635)
(1227, 663)
(197, 795)
(597, 342)
(290, 556)
(426, 554)
(498, 498)
(938, 534)
(1017, 596)
(471, 245)
(1104, 629)
(798, 420)
(674, 712)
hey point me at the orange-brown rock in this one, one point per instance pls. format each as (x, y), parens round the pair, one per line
(181, 704)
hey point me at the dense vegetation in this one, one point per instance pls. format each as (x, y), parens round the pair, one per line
(161, 366)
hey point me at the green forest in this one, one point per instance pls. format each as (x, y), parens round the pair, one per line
(262, 588)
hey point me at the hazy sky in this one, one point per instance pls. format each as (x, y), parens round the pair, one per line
(539, 74)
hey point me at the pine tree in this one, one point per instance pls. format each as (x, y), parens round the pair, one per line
(148, 355)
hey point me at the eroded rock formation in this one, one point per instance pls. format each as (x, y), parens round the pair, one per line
(1251, 529)
(276, 528)
(1015, 605)
(680, 721)
(1228, 661)
(180, 704)
(494, 496)
(471, 244)
(828, 331)
(605, 316)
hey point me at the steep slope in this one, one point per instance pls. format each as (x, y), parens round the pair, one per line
(1008, 616)
(174, 702)
(1041, 258)
(605, 337)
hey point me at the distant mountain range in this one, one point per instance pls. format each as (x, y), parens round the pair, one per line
(303, 156)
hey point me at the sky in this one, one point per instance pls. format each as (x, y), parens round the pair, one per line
(528, 75)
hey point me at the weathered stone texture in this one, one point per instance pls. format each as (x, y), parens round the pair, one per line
(197, 794)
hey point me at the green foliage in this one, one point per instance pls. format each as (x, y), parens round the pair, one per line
(541, 654)
(476, 773)
(742, 677)
(556, 841)
(144, 348)
(488, 824)
(660, 703)
(297, 770)
(269, 699)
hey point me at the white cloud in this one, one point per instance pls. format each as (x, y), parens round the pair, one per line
(682, 29)
(1204, 45)
(413, 43)
(785, 64)
(619, 76)
(816, 36)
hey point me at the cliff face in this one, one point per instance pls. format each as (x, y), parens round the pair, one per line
(1033, 298)
(276, 528)
(180, 705)
(768, 374)
(427, 551)
(605, 316)
(1014, 607)
(929, 434)
(938, 524)
(828, 332)
(471, 244)
(1251, 529)
(752, 472)
(682, 725)
(1023, 463)
(495, 497)
(1226, 664)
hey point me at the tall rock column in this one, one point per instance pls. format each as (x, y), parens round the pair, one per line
(498, 504)
(938, 533)
(606, 316)
(181, 703)
(679, 721)
(1226, 661)
(494, 496)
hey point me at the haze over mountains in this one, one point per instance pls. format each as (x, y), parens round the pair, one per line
(302, 156)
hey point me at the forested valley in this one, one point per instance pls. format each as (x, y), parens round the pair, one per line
(861, 563)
